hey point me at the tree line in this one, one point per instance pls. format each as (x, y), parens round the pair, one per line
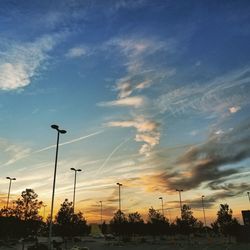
(23, 219)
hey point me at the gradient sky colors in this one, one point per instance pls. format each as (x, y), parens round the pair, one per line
(154, 95)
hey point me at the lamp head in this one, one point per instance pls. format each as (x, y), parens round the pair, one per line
(62, 131)
(160, 198)
(73, 169)
(8, 177)
(54, 126)
(79, 170)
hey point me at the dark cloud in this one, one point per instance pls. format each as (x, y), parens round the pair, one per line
(206, 162)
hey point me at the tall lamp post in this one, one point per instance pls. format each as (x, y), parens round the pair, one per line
(59, 131)
(162, 205)
(119, 188)
(101, 211)
(204, 215)
(248, 194)
(74, 195)
(180, 190)
(44, 206)
(11, 179)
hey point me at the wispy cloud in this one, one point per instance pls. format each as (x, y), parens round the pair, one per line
(77, 52)
(147, 132)
(70, 142)
(226, 94)
(137, 53)
(17, 152)
(111, 154)
(22, 61)
(135, 101)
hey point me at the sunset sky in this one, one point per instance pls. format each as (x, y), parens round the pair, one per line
(153, 94)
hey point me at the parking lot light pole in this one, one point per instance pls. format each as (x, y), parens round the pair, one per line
(162, 206)
(180, 190)
(59, 131)
(44, 206)
(119, 188)
(204, 215)
(74, 195)
(11, 179)
(101, 211)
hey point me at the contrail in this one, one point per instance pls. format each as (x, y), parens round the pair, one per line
(69, 142)
(111, 154)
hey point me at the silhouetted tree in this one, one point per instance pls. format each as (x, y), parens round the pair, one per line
(135, 218)
(157, 223)
(187, 223)
(104, 228)
(68, 223)
(225, 223)
(23, 218)
(118, 223)
(27, 207)
(135, 224)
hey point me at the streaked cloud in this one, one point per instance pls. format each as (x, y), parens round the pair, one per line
(70, 142)
(135, 101)
(147, 132)
(229, 92)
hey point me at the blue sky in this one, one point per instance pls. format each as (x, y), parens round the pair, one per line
(153, 94)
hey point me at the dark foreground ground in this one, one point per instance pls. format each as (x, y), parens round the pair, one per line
(177, 243)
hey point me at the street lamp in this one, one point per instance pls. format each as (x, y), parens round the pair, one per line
(101, 211)
(162, 205)
(119, 187)
(248, 194)
(59, 131)
(180, 190)
(11, 179)
(44, 211)
(202, 201)
(76, 170)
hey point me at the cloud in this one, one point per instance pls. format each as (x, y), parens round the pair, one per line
(70, 142)
(76, 52)
(143, 85)
(135, 101)
(147, 131)
(125, 89)
(208, 162)
(12, 152)
(234, 109)
(21, 62)
(229, 92)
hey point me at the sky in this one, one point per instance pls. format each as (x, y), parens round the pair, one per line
(153, 94)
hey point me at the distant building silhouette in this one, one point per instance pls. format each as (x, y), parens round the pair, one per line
(246, 217)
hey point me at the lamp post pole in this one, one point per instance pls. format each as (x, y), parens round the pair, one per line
(248, 194)
(59, 131)
(204, 215)
(180, 190)
(101, 211)
(11, 179)
(74, 195)
(44, 206)
(162, 206)
(119, 188)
